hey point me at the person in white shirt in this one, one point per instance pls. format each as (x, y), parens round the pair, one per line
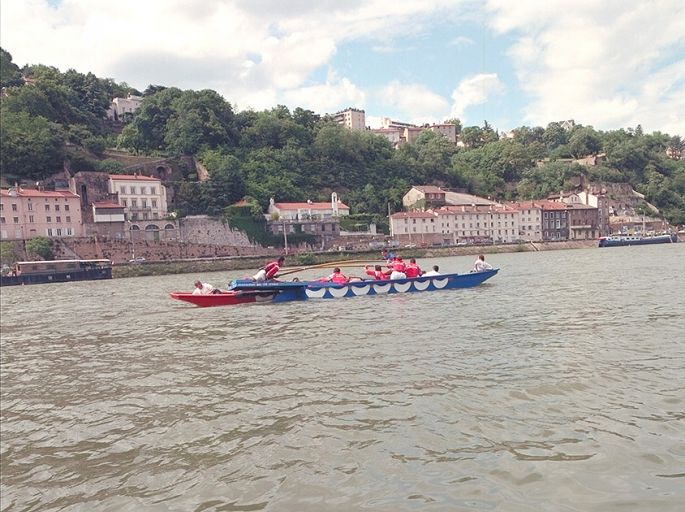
(203, 288)
(480, 265)
(433, 272)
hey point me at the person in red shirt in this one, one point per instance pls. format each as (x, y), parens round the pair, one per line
(377, 273)
(397, 269)
(337, 277)
(269, 271)
(412, 269)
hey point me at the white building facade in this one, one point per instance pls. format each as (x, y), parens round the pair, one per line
(143, 197)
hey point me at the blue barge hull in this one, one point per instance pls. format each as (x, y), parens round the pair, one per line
(305, 290)
(624, 240)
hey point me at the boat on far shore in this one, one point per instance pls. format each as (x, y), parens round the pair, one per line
(623, 240)
(57, 271)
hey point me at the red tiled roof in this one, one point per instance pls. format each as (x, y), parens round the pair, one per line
(106, 204)
(412, 215)
(429, 189)
(309, 206)
(30, 192)
(478, 208)
(132, 177)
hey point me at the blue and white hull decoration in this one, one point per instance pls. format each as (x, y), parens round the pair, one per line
(304, 290)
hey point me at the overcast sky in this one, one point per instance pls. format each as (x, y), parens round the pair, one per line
(607, 63)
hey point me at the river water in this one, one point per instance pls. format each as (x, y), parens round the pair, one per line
(559, 385)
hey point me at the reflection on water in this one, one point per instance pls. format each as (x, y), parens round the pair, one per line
(558, 385)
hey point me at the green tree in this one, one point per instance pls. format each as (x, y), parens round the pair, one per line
(30, 147)
(584, 141)
(10, 75)
(41, 247)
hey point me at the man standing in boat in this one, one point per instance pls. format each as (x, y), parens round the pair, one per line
(269, 271)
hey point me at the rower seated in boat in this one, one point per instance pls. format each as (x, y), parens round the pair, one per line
(398, 268)
(480, 265)
(204, 288)
(412, 269)
(270, 270)
(434, 272)
(377, 273)
(337, 277)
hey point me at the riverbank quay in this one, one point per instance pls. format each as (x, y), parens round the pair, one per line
(202, 265)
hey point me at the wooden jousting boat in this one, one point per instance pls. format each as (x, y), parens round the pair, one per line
(242, 291)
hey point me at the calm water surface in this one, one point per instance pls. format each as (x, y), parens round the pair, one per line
(559, 385)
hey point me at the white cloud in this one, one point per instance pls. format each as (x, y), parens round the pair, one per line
(251, 51)
(416, 101)
(609, 64)
(334, 95)
(462, 42)
(474, 91)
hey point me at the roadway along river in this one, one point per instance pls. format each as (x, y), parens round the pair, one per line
(556, 386)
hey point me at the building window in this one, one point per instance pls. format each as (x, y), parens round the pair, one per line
(56, 207)
(47, 207)
(49, 232)
(58, 220)
(16, 220)
(68, 218)
(124, 202)
(48, 219)
(14, 207)
(69, 232)
(2, 220)
(2, 207)
(144, 201)
(59, 232)
(66, 207)
(154, 203)
(134, 203)
(30, 206)
(143, 190)
(133, 190)
(153, 191)
(31, 219)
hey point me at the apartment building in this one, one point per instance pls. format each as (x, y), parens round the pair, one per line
(530, 220)
(454, 224)
(28, 213)
(555, 224)
(143, 197)
(351, 118)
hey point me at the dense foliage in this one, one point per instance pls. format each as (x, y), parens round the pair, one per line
(299, 155)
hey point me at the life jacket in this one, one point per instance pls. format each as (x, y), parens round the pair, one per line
(398, 266)
(378, 275)
(338, 278)
(272, 269)
(412, 270)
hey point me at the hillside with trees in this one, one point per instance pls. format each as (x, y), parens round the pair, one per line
(49, 116)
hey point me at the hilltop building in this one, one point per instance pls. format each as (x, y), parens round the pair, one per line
(351, 118)
(121, 106)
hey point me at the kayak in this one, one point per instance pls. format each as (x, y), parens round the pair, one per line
(242, 291)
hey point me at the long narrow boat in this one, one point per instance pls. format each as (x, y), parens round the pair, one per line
(623, 240)
(243, 291)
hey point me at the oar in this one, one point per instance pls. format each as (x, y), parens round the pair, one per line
(332, 264)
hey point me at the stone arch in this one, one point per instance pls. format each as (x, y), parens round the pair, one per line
(135, 227)
(152, 227)
(169, 226)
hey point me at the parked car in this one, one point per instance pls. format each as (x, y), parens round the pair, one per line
(139, 259)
